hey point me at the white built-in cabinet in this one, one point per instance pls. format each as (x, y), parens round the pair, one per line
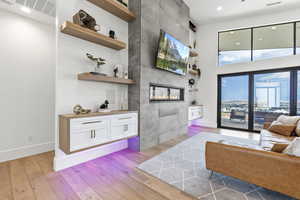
(195, 112)
(81, 132)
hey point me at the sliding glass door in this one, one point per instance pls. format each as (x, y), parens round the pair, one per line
(247, 100)
(271, 97)
(234, 105)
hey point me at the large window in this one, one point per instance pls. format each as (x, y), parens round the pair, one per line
(247, 100)
(273, 41)
(235, 47)
(271, 97)
(298, 37)
(234, 105)
(258, 43)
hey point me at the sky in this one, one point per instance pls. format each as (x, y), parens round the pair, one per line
(236, 88)
(230, 57)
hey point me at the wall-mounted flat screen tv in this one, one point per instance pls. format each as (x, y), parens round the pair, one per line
(172, 54)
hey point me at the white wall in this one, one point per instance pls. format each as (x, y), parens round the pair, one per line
(27, 60)
(71, 60)
(207, 40)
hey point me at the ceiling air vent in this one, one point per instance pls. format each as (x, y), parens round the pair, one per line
(10, 2)
(274, 3)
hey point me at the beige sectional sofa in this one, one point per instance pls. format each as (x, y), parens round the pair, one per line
(275, 171)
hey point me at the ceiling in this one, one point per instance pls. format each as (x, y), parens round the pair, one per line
(206, 11)
(45, 6)
(40, 10)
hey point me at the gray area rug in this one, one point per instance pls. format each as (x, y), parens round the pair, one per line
(183, 166)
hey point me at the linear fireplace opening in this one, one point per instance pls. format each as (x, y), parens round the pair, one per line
(160, 92)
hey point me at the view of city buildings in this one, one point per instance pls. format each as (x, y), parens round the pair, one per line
(271, 99)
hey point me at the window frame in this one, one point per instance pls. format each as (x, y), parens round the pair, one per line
(293, 94)
(252, 40)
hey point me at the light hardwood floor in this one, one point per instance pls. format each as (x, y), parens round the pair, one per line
(112, 177)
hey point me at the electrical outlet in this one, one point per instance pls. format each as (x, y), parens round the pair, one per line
(30, 139)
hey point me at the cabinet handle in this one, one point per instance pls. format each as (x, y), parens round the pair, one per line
(94, 133)
(95, 122)
(125, 118)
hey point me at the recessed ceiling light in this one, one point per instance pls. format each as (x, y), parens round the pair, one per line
(260, 39)
(274, 28)
(237, 43)
(25, 9)
(219, 8)
(232, 32)
(274, 3)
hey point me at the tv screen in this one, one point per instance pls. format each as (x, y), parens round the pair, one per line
(172, 54)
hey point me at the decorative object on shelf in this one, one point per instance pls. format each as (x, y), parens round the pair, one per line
(193, 26)
(194, 102)
(193, 53)
(85, 20)
(104, 105)
(195, 68)
(78, 110)
(112, 34)
(123, 2)
(116, 71)
(99, 61)
(125, 75)
(192, 82)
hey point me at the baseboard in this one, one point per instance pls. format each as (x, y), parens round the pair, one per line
(205, 124)
(66, 161)
(25, 151)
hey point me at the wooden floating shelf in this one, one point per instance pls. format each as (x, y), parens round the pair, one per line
(115, 8)
(92, 36)
(99, 78)
(193, 72)
(193, 54)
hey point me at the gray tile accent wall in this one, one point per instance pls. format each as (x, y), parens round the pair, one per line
(171, 16)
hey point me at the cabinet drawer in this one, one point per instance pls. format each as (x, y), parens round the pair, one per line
(88, 123)
(123, 130)
(124, 119)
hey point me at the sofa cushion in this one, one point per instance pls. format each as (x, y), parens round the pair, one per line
(279, 147)
(298, 129)
(282, 129)
(268, 139)
(294, 148)
(288, 120)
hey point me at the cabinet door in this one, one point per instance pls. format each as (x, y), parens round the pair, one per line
(81, 139)
(123, 127)
(101, 136)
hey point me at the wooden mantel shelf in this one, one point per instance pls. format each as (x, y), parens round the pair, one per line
(108, 79)
(92, 36)
(115, 8)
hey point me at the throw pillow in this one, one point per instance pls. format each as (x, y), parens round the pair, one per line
(288, 120)
(279, 147)
(282, 129)
(294, 148)
(298, 128)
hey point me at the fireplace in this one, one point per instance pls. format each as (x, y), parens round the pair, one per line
(160, 93)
